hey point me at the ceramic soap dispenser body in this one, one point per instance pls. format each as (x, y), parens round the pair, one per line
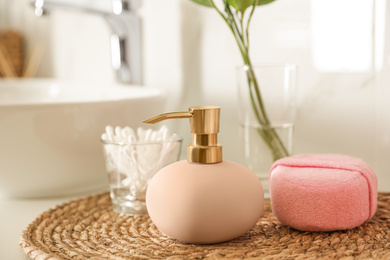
(204, 199)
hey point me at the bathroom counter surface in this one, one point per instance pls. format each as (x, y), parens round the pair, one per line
(370, 239)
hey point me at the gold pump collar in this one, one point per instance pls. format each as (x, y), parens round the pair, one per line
(204, 124)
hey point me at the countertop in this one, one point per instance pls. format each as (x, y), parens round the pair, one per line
(17, 214)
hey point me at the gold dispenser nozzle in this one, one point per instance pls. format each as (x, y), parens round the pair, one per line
(204, 124)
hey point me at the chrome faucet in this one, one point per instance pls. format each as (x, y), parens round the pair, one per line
(125, 25)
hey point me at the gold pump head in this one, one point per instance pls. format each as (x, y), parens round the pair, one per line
(204, 123)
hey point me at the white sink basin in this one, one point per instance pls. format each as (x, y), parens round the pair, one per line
(50, 133)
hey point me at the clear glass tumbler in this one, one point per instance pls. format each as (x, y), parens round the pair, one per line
(130, 167)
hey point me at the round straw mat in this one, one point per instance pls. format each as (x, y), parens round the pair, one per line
(87, 228)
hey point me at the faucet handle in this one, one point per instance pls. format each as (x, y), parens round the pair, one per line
(118, 6)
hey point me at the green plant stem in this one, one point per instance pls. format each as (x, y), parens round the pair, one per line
(241, 35)
(267, 132)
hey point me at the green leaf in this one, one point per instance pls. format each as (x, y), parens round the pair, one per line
(241, 5)
(203, 2)
(264, 2)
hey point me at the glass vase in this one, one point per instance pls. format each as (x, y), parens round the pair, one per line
(267, 113)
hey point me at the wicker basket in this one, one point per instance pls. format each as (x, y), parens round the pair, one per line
(11, 45)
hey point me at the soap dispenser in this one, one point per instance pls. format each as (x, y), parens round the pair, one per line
(203, 199)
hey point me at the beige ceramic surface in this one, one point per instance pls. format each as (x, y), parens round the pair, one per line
(50, 133)
(204, 203)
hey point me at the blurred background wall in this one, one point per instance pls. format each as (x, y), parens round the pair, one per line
(341, 48)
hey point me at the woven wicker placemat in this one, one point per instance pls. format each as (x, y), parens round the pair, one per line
(87, 228)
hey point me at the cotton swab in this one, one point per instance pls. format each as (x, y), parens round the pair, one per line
(138, 155)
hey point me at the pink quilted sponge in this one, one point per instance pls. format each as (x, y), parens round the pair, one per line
(322, 192)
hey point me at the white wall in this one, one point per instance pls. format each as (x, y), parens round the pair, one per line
(190, 53)
(382, 110)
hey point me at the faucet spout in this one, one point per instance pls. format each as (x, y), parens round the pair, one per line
(125, 25)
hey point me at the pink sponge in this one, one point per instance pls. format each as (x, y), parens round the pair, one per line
(322, 192)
